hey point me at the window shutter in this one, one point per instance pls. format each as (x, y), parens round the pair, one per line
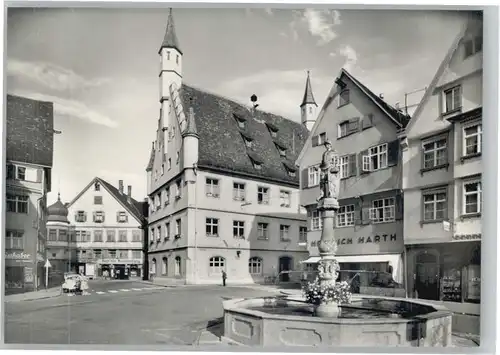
(357, 213)
(365, 213)
(353, 171)
(367, 121)
(39, 173)
(400, 206)
(360, 161)
(393, 153)
(94, 216)
(76, 217)
(85, 216)
(118, 216)
(315, 140)
(305, 178)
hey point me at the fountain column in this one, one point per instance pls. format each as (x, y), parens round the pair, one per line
(328, 206)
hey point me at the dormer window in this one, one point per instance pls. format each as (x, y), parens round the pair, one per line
(256, 162)
(291, 170)
(272, 129)
(248, 140)
(343, 98)
(240, 119)
(473, 46)
(281, 150)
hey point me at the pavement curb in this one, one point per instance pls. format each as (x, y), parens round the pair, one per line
(159, 285)
(32, 299)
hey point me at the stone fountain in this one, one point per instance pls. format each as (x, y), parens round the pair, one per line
(366, 321)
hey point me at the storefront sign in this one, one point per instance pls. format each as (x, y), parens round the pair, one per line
(362, 240)
(120, 261)
(458, 237)
(18, 256)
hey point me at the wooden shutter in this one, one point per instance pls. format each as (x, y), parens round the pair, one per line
(315, 140)
(393, 153)
(85, 216)
(357, 213)
(94, 216)
(365, 212)
(309, 219)
(118, 216)
(305, 178)
(39, 173)
(360, 161)
(399, 202)
(353, 171)
(76, 216)
(367, 121)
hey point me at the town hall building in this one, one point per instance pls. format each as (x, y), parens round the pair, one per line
(222, 185)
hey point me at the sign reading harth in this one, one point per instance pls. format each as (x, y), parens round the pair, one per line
(362, 240)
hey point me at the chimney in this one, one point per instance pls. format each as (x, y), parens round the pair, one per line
(120, 186)
(129, 191)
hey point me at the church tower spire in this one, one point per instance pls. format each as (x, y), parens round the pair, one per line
(170, 61)
(308, 106)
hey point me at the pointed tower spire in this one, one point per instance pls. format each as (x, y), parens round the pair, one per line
(170, 39)
(308, 94)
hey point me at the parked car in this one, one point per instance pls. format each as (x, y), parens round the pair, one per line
(71, 283)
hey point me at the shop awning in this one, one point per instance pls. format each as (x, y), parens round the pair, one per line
(311, 260)
(394, 260)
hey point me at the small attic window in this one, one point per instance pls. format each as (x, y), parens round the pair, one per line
(290, 169)
(177, 158)
(162, 169)
(257, 163)
(291, 173)
(281, 149)
(257, 166)
(248, 142)
(240, 119)
(97, 186)
(272, 129)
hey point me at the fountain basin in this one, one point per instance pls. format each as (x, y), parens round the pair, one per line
(368, 321)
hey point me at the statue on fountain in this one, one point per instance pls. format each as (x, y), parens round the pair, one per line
(329, 176)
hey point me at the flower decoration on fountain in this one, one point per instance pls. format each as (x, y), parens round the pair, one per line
(317, 293)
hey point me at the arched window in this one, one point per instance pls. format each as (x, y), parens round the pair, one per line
(255, 265)
(177, 266)
(164, 266)
(217, 264)
(153, 266)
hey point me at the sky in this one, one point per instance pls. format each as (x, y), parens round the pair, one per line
(100, 67)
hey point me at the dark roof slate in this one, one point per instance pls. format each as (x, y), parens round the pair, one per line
(30, 131)
(221, 142)
(170, 39)
(400, 117)
(133, 206)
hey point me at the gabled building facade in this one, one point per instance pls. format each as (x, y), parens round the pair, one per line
(222, 186)
(106, 233)
(442, 186)
(363, 129)
(30, 130)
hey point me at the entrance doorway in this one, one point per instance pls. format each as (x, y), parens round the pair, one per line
(427, 275)
(285, 264)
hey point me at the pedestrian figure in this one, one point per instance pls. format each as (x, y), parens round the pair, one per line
(84, 286)
(224, 277)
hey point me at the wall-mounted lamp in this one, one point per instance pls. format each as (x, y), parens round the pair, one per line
(238, 253)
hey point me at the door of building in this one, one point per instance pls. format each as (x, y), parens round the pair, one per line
(285, 264)
(427, 276)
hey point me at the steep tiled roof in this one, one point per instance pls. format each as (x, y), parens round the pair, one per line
(398, 116)
(308, 94)
(221, 139)
(170, 39)
(30, 131)
(133, 206)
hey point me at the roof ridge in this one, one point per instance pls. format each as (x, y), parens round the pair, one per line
(237, 102)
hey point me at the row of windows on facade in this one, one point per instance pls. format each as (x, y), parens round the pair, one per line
(216, 265)
(375, 158)
(212, 230)
(101, 253)
(157, 173)
(212, 190)
(435, 207)
(381, 211)
(62, 235)
(99, 216)
(435, 150)
(434, 154)
(15, 240)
